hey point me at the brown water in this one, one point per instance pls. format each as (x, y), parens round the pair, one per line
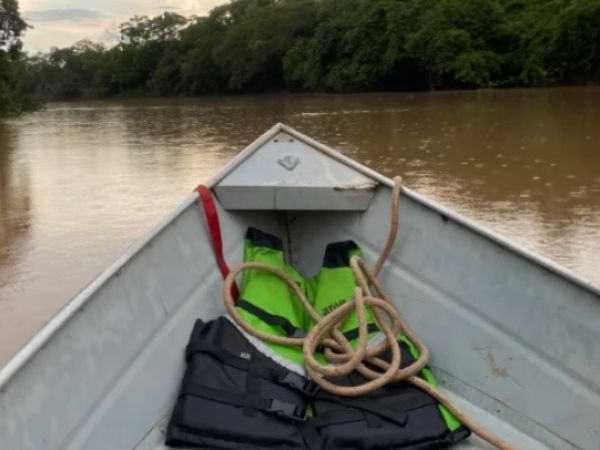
(80, 181)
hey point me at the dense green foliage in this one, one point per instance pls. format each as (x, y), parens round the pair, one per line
(333, 45)
(11, 28)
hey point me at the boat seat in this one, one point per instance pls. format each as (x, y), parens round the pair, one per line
(293, 176)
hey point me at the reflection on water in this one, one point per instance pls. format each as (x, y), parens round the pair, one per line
(80, 181)
(14, 206)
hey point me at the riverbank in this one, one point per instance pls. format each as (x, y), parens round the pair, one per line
(328, 46)
(39, 101)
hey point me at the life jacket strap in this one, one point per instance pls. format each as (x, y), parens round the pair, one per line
(269, 405)
(252, 390)
(272, 319)
(337, 417)
(299, 383)
(352, 335)
(267, 370)
(396, 414)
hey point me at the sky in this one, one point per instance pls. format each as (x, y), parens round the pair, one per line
(60, 23)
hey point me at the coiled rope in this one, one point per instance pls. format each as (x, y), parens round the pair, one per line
(326, 334)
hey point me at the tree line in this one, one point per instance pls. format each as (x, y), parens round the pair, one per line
(328, 45)
(12, 26)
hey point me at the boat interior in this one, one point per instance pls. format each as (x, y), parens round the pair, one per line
(513, 338)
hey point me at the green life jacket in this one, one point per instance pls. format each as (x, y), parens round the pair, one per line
(393, 416)
(333, 286)
(266, 302)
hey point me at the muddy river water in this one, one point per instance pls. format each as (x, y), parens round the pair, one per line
(81, 181)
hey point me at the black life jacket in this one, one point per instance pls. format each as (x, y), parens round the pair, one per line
(233, 397)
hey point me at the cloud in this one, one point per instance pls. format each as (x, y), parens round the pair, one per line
(63, 15)
(189, 7)
(55, 23)
(167, 7)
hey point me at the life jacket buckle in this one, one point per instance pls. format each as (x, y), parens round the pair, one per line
(299, 383)
(287, 410)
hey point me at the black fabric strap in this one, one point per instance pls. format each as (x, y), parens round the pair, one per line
(222, 355)
(310, 434)
(414, 400)
(372, 405)
(261, 239)
(272, 319)
(267, 370)
(270, 405)
(217, 395)
(296, 382)
(337, 254)
(337, 416)
(252, 394)
(353, 334)
(372, 420)
(395, 411)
